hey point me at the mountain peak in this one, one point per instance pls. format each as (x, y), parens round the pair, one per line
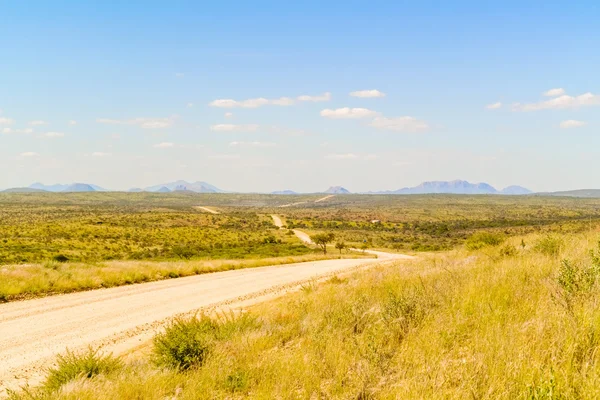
(337, 190)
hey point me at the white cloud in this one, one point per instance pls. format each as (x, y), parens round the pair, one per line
(72, 122)
(572, 124)
(554, 92)
(252, 144)
(560, 103)
(38, 123)
(400, 124)
(251, 103)
(190, 105)
(6, 121)
(283, 101)
(234, 128)
(163, 145)
(494, 106)
(347, 156)
(349, 113)
(145, 123)
(367, 93)
(324, 97)
(224, 156)
(100, 154)
(29, 154)
(17, 131)
(351, 156)
(228, 115)
(53, 135)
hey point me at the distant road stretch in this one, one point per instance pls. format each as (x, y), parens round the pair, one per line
(210, 210)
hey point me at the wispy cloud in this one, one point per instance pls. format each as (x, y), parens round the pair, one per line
(373, 93)
(572, 124)
(145, 123)
(9, 131)
(349, 113)
(494, 106)
(53, 135)
(234, 128)
(6, 121)
(29, 154)
(72, 122)
(224, 156)
(251, 103)
(100, 154)
(38, 123)
(400, 124)
(324, 97)
(554, 92)
(560, 102)
(347, 156)
(164, 145)
(351, 156)
(252, 144)
(179, 74)
(228, 115)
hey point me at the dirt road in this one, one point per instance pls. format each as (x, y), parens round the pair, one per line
(210, 210)
(299, 234)
(119, 319)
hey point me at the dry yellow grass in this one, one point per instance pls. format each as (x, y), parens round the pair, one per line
(24, 281)
(489, 324)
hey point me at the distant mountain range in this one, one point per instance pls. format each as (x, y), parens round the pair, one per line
(177, 186)
(441, 187)
(284, 192)
(458, 187)
(73, 187)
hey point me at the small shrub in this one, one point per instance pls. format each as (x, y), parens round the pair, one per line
(480, 240)
(403, 311)
(60, 258)
(508, 251)
(549, 245)
(575, 279)
(185, 343)
(85, 365)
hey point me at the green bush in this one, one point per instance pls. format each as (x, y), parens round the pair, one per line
(83, 365)
(483, 239)
(186, 343)
(549, 245)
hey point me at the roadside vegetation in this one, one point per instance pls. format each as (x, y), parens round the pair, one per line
(506, 317)
(18, 282)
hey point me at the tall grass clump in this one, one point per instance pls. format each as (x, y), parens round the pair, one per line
(186, 343)
(550, 245)
(71, 366)
(480, 240)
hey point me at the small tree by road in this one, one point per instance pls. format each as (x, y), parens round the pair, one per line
(322, 240)
(340, 246)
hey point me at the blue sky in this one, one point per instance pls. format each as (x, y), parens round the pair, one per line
(125, 94)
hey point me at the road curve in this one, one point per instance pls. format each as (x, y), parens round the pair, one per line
(118, 319)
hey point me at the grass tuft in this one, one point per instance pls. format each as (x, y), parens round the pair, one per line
(71, 366)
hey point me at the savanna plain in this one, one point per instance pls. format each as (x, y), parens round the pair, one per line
(500, 301)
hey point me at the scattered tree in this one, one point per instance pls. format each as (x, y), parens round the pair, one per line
(322, 240)
(340, 246)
